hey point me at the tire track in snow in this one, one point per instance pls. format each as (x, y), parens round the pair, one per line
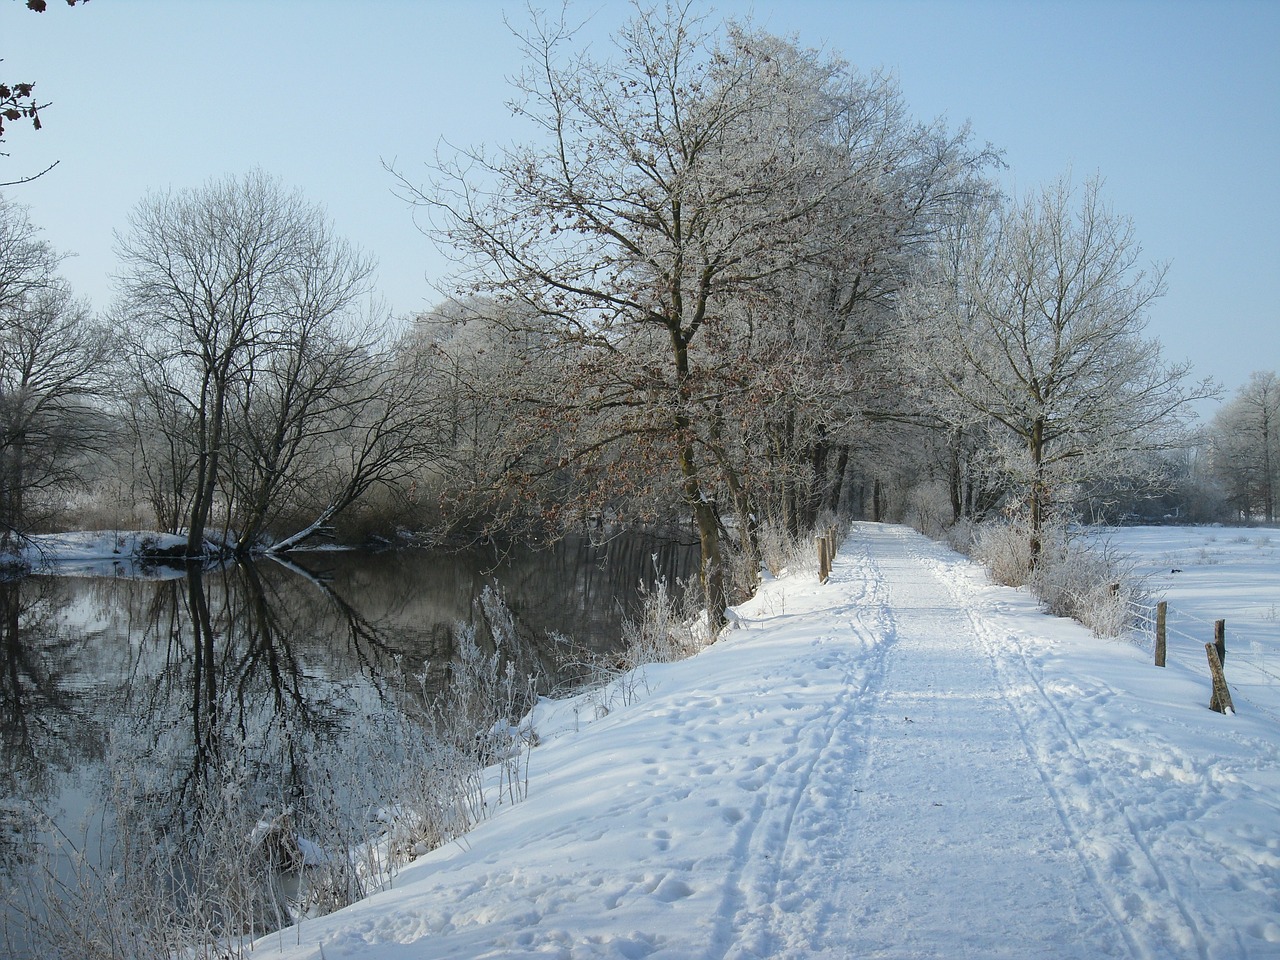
(951, 824)
(758, 898)
(1112, 875)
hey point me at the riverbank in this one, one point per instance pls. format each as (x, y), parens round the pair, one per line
(903, 762)
(101, 553)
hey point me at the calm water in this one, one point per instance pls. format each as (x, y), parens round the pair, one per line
(153, 686)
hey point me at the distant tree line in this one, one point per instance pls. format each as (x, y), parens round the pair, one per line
(728, 281)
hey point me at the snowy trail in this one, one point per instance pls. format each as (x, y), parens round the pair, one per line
(1151, 812)
(785, 893)
(905, 762)
(944, 816)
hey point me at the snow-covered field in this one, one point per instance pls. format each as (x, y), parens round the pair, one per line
(904, 762)
(1207, 574)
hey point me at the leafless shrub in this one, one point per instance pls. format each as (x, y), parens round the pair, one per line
(671, 625)
(780, 551)
(1091, 584)
(1004, 549)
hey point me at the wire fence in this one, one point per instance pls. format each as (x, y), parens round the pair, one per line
(1251, 665)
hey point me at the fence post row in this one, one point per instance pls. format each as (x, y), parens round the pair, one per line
(826, 553)
(1220, 701)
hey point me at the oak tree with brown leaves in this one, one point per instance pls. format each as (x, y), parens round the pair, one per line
(691, 232)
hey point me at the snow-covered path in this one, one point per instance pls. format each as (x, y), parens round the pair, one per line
(948, 815)
(905, 762)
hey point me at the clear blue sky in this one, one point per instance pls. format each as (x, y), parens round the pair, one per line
(1176, 103)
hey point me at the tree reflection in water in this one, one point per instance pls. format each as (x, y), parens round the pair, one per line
(216, 716)
(47, 722)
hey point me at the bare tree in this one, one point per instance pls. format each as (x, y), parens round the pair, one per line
(376, 428)
(297, 400)
(234, 304)
(51, 384)
(163, 455)
(1036, 326)
(489, 370)
(28, 264)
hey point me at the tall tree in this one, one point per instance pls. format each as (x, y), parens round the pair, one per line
(1246, 447)
(51, 375)
(376, 425)
(1036, 326)
(489, 372)
(691, 174)
(233, 300)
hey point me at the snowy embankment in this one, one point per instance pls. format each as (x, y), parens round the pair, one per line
(903, 762)
(102, 553)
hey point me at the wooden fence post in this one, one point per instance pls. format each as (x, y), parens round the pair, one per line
(1220, 640)
(1162, 613)
(824, 560)
(1221, 700)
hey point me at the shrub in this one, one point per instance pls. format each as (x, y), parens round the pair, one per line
(780, 551)
(1073, 579)
(1004, 548)
(671, 626)
(1088, 584)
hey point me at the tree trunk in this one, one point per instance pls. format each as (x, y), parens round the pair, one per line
(204, 674)
(13, 482)
(748, 522)
(704, 514)
(205, 475)
(1039, 491)
(955, 482)
(1268, 480)
(310, 530)
(711, 572)
(820, 458)
(836, 492)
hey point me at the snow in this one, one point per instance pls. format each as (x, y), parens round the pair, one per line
(905, 761)
(1206, 574)
(101, 553)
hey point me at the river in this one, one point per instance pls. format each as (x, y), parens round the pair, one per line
(162, 717)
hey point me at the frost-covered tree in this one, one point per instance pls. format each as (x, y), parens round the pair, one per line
(52, 358)
(661, 187)
(817, 344)
(1246, 448)
(693, 185)
(1036, 326)
(490, 370)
